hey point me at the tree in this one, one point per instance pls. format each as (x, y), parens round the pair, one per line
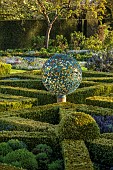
(50, 10)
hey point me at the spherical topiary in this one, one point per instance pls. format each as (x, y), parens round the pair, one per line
(78, 125)
(23, 158)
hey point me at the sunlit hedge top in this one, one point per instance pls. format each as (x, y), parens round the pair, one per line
(61, 74)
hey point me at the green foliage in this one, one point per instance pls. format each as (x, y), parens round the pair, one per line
(76, 155)
(5, 148)
(56, 165)
(61, 42)
(93, 43)
(16, 144)
(23, 158)
(77, 40)
(9, 167)
(101, 101)
(42, 148)
(78, 125)
(4, 68)
(101, 151)
(43, 160)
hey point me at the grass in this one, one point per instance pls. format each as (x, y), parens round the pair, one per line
(14, 71)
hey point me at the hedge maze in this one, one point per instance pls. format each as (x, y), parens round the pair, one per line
(81, 129)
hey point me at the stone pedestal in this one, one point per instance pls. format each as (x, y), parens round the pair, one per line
(61, 98)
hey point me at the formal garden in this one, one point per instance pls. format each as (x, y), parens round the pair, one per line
(56, 85)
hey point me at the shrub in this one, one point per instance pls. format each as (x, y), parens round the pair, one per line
(5, 148)
(43, 160)
(16, 144)
(5, 68)
(78, 125)
(101, 151)
(56, 165)
(42, 148)
(22, 157)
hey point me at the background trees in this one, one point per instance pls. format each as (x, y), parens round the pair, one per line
(51, 10)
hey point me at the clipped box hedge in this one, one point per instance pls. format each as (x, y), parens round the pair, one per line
(100, 101)
(31, 84)
(76, 155)
(101, 151)
(77, 126)
(32, 138)
(44, 97)
(80, 95)
(4, 69)
(99, 79)
(96, 74)
(9, 167)
(19, 124)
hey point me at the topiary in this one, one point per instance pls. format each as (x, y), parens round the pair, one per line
(16, 144)
(56, 165)
(23, 158)
(78, 125)
(4, 149)
(42, 148)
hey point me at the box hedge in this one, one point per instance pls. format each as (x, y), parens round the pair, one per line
(77, 125)
(101, 101)
(76, 155)
(9, 167)
(4, 68)
(101, 151)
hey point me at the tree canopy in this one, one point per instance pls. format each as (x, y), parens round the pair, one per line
(50, 10)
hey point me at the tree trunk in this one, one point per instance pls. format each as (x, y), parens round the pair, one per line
(48, 35)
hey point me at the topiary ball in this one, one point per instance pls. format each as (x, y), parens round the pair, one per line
(61, 74)
(78, 125)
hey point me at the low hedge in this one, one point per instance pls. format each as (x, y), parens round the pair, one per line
(107, 135)
(99, 79)
(76, 155)
(80, 95)
(45, 113)
(11, 104)
(77, 125)
(31, 139)
(31, 84)
(44, 97)
(88, 84)
(20, 76)
(4, 68)
(96, 74)
(101, 151)
(94, 110)
(9, 167)
(100, 101)
(19, 124)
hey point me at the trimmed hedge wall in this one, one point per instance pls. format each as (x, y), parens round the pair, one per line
(80, 95)
(99, 79)
(44, 97)
(101, 151)
(21, 124)
(9, 167)
(77, 126)
(96, 74)
(31, 84)
(32, 138)
(100, 101)
(76, 156)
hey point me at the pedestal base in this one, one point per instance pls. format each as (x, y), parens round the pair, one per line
(61, 98)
